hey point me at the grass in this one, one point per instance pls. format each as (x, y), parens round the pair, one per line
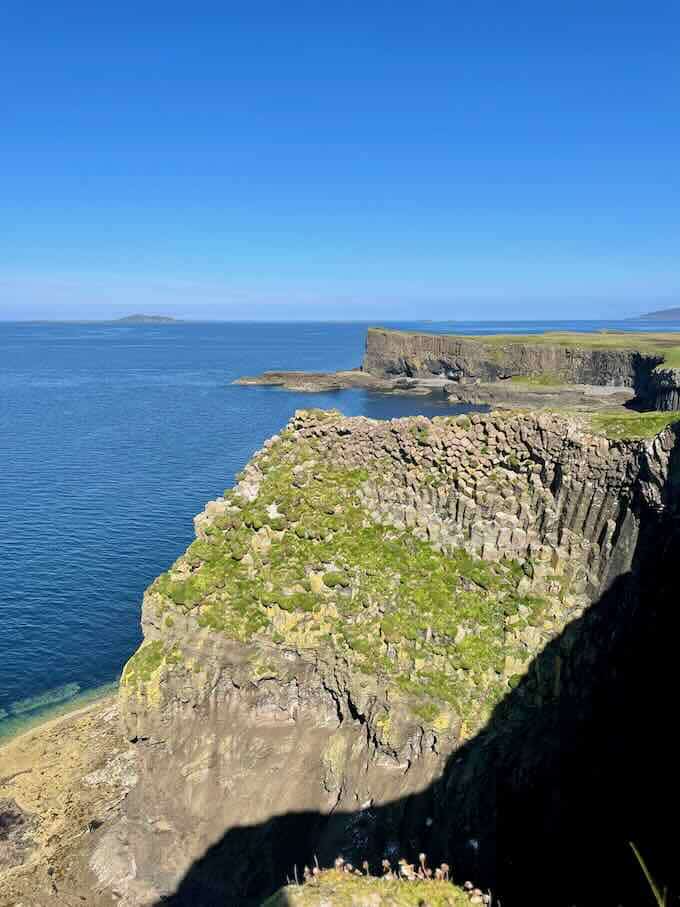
(662, 345)
(546, 379)
(631, 426)
(660, 897)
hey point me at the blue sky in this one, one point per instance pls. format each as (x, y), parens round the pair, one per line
(359, 159)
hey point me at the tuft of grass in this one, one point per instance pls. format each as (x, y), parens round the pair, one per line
(660, 897)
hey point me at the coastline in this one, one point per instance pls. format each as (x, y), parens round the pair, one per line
(61, 786)
(17, 726)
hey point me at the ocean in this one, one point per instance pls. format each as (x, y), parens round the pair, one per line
(112, 438)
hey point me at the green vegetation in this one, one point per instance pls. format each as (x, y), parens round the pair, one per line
(146, 661)
(342, 889)
(334, 578)
(665, 346)
(660, 897)
(634, 426)
(304, 566)
(421, 434)
(546, 379)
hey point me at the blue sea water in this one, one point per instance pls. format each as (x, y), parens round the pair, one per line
(112, 437)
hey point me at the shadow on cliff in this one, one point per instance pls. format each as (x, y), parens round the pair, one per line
(576, 761)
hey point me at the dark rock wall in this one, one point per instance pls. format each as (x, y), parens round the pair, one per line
(665, 389)
(390, 353)
(423, 355)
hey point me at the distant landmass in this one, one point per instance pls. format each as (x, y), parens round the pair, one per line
(146, 319)
(663, 315)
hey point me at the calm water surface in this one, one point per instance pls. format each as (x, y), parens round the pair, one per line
(112, 438)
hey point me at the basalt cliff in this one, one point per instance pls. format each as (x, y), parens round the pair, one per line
(450, 636)
(646, 363)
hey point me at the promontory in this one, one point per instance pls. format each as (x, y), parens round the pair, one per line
(417, 661)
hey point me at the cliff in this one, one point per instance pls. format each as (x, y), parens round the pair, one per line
(377, 641)
(644, 362)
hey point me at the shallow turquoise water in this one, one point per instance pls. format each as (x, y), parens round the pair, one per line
(112, 438)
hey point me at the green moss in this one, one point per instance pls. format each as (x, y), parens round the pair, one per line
(632, 426)
(421, 434)
(395, 608)
(146, 661)
(334, 578)
(322, 415)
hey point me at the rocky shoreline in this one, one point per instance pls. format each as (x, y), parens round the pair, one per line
(582, 372)
(61, 784)
(496, 395)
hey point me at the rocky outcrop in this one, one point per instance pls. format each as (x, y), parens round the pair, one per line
(666, 389)
(399, 352)
(351, 617)
(464, 359)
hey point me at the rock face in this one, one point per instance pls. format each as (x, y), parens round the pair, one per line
(328, 667)
(464, 359)
(418, 355)
(666, 389)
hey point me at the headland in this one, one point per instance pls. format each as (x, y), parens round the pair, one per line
(445, 637)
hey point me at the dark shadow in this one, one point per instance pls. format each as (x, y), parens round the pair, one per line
(576, 761)
(643, 383)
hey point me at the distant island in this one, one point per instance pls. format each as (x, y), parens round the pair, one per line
(147, 319)
(662, 315)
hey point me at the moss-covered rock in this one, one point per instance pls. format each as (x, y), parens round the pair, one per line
(340, 889)
(353, 611)
(432, 623)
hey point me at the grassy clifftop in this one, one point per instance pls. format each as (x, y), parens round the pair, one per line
(631, 425)
(304, 566)
(665, 345)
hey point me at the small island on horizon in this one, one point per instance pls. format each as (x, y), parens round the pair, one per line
(127, 319)
(147, 319)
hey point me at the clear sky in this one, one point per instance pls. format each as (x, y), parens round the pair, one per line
(346, 159)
